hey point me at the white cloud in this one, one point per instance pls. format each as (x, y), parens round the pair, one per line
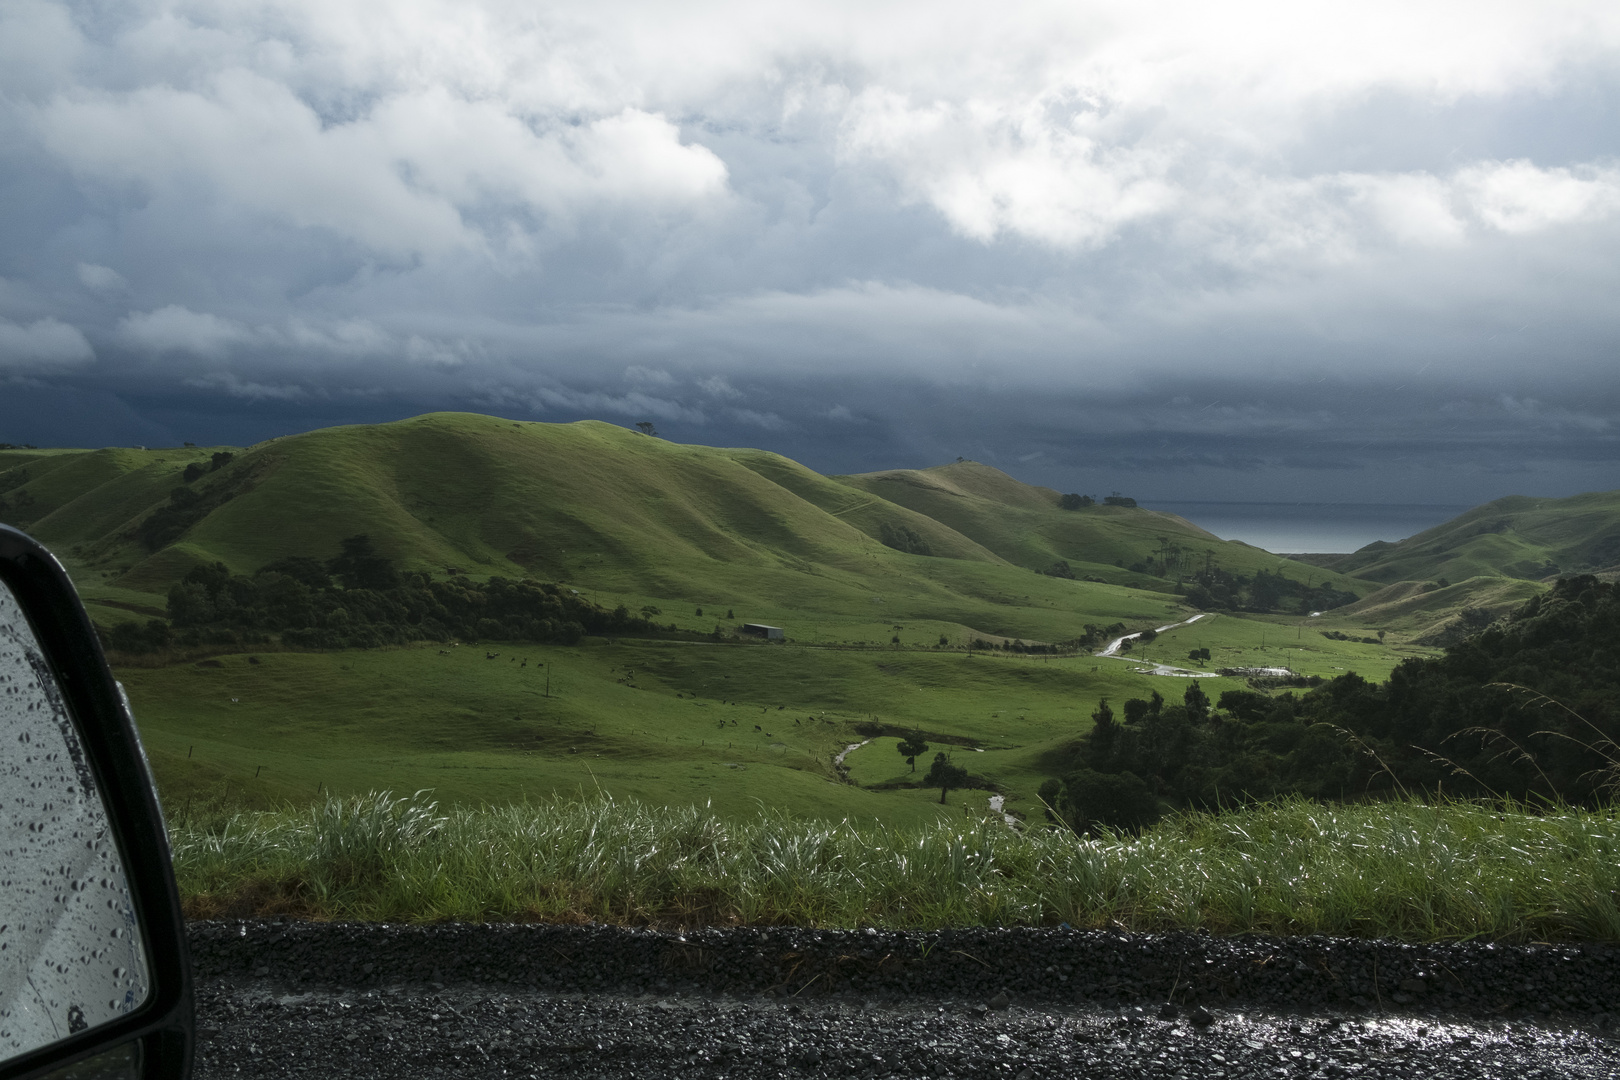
(176, 328)
(230, 384)
(635, 404)
(418, 173)
(43, 344)
(999, 168)
(717, 387)
(649, 378)
(1518, 197)
(101, 278)
(753, 418)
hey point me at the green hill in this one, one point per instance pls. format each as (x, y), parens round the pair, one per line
(1513, 537)
(639, 519)
(1025, 525)
(882, 582)
(648, 522)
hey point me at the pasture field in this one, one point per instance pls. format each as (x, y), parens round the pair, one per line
(739, 727)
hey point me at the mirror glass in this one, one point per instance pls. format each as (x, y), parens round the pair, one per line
(71, 955)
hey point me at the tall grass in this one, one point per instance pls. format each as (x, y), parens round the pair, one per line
(1410, 870)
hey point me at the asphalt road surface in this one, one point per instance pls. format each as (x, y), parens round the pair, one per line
(301, 1000)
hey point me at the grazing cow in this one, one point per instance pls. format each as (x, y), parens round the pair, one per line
(758, 728)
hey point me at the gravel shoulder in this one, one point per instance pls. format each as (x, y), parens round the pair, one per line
(296, 999)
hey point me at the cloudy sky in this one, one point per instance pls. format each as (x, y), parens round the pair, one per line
(1254, 251)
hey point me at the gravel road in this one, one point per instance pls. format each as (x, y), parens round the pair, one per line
(297, 999)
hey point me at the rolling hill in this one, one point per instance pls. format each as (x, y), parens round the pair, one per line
(1025, 525)
(1514, 537)
(597, 506)
(882, 580)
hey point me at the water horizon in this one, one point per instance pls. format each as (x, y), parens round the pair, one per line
(1287, 528)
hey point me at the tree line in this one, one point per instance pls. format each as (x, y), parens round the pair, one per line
(1526, 709)
(360, 599)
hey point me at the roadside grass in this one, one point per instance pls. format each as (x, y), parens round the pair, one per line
(1402, 870)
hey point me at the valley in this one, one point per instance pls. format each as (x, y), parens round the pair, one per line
(954, 602)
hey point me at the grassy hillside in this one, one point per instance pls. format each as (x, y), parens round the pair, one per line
(1428, 610)
(1514, 537)
(632, 518)
(702, 536)
(1025, 526)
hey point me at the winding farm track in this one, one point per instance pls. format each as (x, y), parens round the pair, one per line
(1111, 652)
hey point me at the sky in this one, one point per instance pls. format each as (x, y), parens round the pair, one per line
(1333, 252)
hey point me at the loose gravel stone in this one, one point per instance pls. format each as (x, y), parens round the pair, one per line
(296, 999)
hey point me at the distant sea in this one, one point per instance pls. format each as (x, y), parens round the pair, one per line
(1287, 528)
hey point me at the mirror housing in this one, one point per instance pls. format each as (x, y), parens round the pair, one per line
(155, 1040)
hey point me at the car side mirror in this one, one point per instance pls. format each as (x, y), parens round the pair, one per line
(94, 978)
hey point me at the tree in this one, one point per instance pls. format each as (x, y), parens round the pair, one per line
(1104, 732)
(1103, 716)
(646, 428)
(359, 566)
(1091, 799)
(311, 572)
(911, 748)
(945, 776)
(1197, 701)
(1075, 502)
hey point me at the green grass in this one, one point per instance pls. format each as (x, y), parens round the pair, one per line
(1515, 537)
(477, 730)
(609, 510)
(1401, 870)
(1024, 525)
(1412, 609)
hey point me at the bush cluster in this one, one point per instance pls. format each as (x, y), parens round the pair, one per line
(359, 599)
(1212, 589)
(904, 538)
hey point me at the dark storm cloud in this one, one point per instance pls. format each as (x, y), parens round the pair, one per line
(1257, 251)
